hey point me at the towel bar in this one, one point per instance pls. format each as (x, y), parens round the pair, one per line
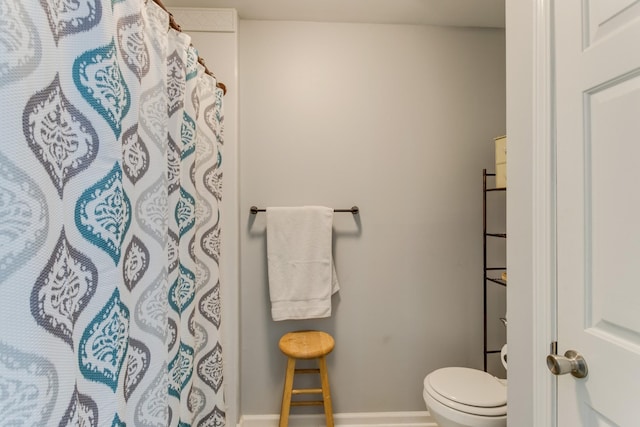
(354, 210)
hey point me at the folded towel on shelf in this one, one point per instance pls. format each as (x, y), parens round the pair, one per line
(302, 275)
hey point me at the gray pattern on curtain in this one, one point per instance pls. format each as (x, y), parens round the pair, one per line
(110, 192)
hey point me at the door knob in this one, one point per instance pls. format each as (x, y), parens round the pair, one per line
(571, 363)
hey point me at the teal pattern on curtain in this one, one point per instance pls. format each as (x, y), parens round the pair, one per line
(110, 207)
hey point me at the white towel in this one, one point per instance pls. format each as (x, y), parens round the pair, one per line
(302, 275)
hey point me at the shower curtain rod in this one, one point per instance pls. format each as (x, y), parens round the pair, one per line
(354, 210)
(173, 24)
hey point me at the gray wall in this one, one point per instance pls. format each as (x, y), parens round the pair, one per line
(398, 120)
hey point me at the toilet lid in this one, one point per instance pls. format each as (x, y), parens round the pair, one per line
(468, 387)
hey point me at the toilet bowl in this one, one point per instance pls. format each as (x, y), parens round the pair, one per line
(464, 397)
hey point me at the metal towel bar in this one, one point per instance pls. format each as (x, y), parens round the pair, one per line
(354, 210)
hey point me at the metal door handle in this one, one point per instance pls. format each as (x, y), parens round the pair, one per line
(572, 363)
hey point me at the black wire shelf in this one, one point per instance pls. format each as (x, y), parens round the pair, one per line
(501, 235)
(498, 281)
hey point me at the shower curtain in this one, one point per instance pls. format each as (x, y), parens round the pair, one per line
(110, 189)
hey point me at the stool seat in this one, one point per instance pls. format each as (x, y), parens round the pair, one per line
(306, 345)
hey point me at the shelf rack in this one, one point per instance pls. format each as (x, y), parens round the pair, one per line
(486, 269)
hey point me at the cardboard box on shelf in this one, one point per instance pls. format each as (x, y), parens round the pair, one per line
(501, 161)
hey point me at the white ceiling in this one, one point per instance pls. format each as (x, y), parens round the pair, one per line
(466, 13)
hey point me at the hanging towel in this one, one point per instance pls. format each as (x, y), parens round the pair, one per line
(302, 275)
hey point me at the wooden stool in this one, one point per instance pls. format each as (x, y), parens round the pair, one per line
(306, 345)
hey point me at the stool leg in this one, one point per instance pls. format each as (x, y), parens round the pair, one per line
(286, 394)
(326, 393)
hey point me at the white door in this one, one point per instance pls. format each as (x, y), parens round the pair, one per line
(597, 87)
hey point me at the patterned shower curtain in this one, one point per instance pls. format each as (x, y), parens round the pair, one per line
(110, 191)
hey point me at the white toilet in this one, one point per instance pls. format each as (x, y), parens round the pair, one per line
(464, 397)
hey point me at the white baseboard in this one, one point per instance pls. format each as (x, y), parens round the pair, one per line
(364, 419)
